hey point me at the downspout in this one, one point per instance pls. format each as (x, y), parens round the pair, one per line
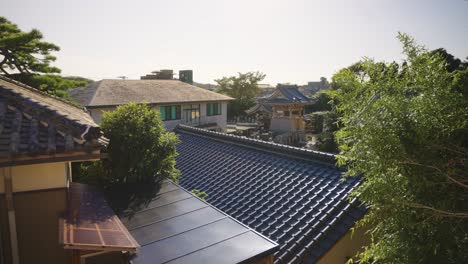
(11, 214)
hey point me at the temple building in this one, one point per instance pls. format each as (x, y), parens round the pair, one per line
(282, 113)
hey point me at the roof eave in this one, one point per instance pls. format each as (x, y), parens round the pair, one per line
(94, 106)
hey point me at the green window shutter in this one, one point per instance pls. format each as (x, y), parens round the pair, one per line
(178, 112)
(173, 112)
(162, 109)
(219, 108)
(211, 109)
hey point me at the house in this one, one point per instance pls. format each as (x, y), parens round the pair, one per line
(39, 136)
(179, 102)
(293, 196)
(47, 218)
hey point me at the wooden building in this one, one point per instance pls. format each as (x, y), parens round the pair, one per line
(282, 113)
(39, 136)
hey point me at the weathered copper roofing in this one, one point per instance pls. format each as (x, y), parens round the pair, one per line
(117, 92)
(34, 123)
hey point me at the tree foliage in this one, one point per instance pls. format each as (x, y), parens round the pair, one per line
(405, 130)
(243, 88)
(141, 153)
(26, 58)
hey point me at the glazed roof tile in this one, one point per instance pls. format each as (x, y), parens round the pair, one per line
(296, 197)
(34, 123)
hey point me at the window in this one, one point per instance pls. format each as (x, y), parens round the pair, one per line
(192, 113)
(170, 112)
(213, 109)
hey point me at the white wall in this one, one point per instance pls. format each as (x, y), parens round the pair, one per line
(221, 120)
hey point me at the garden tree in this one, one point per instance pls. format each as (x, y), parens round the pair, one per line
(322, 102)
(141, 153)
(404, 130)
(26, 58)
(453, 63)
(243, 88)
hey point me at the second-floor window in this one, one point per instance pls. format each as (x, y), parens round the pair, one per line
(170, 112)
(213, 109)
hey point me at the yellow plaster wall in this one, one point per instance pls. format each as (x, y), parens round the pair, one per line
(36, 177)
(346, 247)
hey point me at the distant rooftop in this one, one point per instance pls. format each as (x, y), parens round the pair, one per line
(285, 94)
(118, 92)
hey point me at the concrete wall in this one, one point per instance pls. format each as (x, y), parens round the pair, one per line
(221, 120)
(347, 247)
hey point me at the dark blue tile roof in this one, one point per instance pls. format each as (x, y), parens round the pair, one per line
(292, 93)
(286, 94)
(293, 196)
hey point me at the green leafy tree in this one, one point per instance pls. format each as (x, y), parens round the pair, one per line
(405, 131)
(141, 154)
(243, 88)
(26, 58)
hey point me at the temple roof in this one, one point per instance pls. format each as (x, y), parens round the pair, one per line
(286, 94)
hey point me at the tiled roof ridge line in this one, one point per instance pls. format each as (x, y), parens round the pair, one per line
(96, 84)
(328, 158)
(30, 88)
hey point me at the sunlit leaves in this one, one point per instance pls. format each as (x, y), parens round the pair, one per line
(405, 129)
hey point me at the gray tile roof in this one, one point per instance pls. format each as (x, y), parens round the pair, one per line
(286, 94)
(176, 227)
(296, 197)
(117, 92)
(34, 123)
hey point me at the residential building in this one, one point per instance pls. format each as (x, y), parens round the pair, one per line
(293, 196)
(178, 102)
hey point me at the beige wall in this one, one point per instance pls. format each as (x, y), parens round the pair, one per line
(347, 247)
(36, 177)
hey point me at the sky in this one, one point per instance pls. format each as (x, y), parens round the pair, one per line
(293, 41)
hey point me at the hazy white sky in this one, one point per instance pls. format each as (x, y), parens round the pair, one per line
(290, 41)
